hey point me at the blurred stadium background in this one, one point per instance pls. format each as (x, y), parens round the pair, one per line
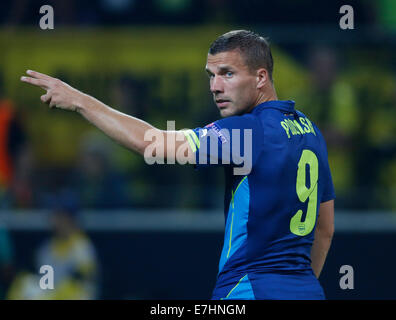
(155, 232)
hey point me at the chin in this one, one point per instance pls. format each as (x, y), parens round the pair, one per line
(226, 113)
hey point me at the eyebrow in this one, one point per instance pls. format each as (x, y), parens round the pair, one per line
(208, 71)
(225, 68)
(222, 69)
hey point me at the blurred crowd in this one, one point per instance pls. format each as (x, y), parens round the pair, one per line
(67, 250)
(354, 111)
(23, 186)
(338, 93)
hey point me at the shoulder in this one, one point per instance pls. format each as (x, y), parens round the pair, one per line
(245, 121)
(315, 130)
(310, 123)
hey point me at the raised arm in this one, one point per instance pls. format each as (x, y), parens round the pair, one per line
(323, 236)
(124, 129)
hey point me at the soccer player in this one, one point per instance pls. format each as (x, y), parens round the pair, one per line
(279, 197)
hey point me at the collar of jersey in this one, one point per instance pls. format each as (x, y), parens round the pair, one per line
(284, 105)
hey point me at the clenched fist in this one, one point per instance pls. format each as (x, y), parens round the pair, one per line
(59, 94)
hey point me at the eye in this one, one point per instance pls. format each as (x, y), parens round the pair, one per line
(229, 74)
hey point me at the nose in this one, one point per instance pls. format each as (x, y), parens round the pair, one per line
(216, 84)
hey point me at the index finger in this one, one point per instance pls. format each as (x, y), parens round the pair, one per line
(38, 75)
(44, 84)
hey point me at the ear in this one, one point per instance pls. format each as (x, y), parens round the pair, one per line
(262, 77)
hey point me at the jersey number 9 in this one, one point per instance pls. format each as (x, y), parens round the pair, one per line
(298, 227)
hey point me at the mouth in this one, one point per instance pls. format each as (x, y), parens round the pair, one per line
(222, 103)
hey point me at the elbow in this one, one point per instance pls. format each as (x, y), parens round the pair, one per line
(146, 143)
(151, 145)
(136, 147)
(140, 148)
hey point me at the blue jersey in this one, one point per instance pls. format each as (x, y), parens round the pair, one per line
(277, 174)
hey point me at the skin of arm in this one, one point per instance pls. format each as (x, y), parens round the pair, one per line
(323, 236)
(124, 129)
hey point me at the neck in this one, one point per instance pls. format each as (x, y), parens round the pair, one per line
(264, 96)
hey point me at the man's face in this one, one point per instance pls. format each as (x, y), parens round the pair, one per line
(233, 85)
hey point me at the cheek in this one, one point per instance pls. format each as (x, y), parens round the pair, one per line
(244, 93)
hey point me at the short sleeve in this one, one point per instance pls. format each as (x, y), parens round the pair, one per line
(234, 141)
(328, 191)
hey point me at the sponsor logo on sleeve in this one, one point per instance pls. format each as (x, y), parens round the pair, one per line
(217, 130)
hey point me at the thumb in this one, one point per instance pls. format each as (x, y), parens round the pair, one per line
(45, 98)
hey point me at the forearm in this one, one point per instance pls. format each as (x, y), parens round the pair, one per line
(319, 250)
(124, 129)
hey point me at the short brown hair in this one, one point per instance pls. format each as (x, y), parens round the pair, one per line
(254, 49)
